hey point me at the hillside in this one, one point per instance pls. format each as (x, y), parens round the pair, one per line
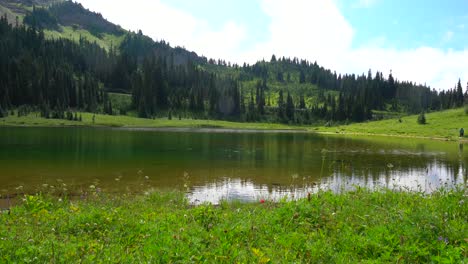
(165, 80)
(444, 125)
(20, 8)
(63, 19)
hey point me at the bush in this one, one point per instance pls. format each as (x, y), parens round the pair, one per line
(422, 119)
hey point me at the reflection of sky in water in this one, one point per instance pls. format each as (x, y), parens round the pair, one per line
(435, 176)
(233, 166)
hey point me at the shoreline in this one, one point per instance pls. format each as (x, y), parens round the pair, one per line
(227, 130)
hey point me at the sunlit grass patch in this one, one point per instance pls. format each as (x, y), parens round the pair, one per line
(356, 226)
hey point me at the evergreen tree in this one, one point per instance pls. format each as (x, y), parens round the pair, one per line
(260, 98)
(281, 107)
(302, 77)
(290, 108)
(459, 96)
(302, 104)
(422, 119)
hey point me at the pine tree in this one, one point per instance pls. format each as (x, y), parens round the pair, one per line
(422, 118)
(459, 94)
(302, 77)
(302, 104)
(260, 98)
(281, 107)
(290, 108)
(252, 116)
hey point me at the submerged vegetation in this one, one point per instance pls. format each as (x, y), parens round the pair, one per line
(361, 225)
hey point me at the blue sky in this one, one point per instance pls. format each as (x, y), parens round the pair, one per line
(410, 23)
(420, 41)
(393, 23)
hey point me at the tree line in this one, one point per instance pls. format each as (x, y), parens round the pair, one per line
(59, 75)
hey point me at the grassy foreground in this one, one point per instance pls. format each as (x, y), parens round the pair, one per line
(358, 226)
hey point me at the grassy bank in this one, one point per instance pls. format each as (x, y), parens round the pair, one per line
(130, 121)
(443, 125)
(359, 226)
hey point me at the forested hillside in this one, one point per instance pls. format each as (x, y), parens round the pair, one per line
(61, 57)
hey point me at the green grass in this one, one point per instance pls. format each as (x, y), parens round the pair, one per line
(443, 125)
(130, 121)
(120, 101)
(105, 42)
(355, 227)
(440, 125)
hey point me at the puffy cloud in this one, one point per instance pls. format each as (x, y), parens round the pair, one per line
(435, 67)
(309, 29)
(163, 22)
(316, 30)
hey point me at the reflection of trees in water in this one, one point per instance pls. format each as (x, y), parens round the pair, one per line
(268, 160)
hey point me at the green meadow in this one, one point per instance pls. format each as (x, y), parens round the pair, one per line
(441, 125)
(359, 226)
(444, 125)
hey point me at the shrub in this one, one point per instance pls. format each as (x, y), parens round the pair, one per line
(422, 119)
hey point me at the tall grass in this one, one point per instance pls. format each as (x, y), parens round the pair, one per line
(358, 226)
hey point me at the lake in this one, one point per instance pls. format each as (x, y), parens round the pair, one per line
(213, 165)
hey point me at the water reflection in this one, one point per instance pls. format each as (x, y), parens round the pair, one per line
(429, 179)
(240, 166)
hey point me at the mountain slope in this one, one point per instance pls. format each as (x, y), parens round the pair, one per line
(63, 19)
(164, 79)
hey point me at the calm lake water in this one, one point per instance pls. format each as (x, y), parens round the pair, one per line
(220, 165)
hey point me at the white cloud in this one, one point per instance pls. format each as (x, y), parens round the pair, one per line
(163, 22)
(309, 29)
(440, 69)
(314, 30)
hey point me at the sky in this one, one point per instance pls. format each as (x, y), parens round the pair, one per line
(423, 41)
